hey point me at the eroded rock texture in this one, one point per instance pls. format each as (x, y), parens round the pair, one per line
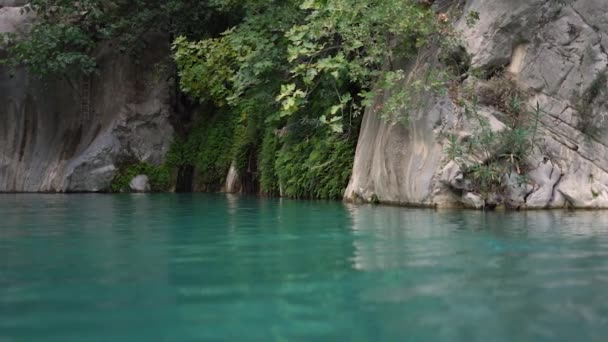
(554, 50)
(59, 136)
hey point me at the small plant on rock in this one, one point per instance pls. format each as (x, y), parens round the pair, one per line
(489, 155)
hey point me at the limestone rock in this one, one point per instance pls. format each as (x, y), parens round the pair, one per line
(140, 183)
(518, 190)
(553, 50)
(393, 162)
(452, 175)
(233, 184)
(472, 201)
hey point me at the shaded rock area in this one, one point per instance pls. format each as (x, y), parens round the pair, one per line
(556, 51)
(71, 134)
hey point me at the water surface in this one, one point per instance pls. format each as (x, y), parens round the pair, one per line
(226, 268)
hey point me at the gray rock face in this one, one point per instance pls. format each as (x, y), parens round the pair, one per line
(556, 51)
(13, 3)
(140, 183)
(56, 138)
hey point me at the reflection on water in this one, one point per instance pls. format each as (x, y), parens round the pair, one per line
(215, 267)
(531, 275)
(398, 230)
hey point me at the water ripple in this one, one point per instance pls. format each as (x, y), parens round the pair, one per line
(215, 267)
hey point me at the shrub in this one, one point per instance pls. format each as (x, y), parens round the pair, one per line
(488, 156)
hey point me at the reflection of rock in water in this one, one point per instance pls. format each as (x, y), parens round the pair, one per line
(563, 223)
(393, 238)
(389, 236)
(439, 266)
(233, 203)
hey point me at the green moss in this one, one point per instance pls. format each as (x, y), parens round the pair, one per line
(159, 176)
(269, 181)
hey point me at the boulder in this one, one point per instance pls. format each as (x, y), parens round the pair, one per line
(140, 183)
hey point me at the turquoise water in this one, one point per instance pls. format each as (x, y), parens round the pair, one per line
(224, 268)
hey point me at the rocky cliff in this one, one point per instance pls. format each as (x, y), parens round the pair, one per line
(555, 51)
(72, 134)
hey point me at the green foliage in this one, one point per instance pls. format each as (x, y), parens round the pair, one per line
(269, 181)
(411, 96)
(52, 49)
(66, 34)
(205, 76)
(472, 18)
(209, 148)
(248, 134)
(346, 42)
(159, 176)
(215, 142)
(317, 168)
(312, 49)
(240, 63)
